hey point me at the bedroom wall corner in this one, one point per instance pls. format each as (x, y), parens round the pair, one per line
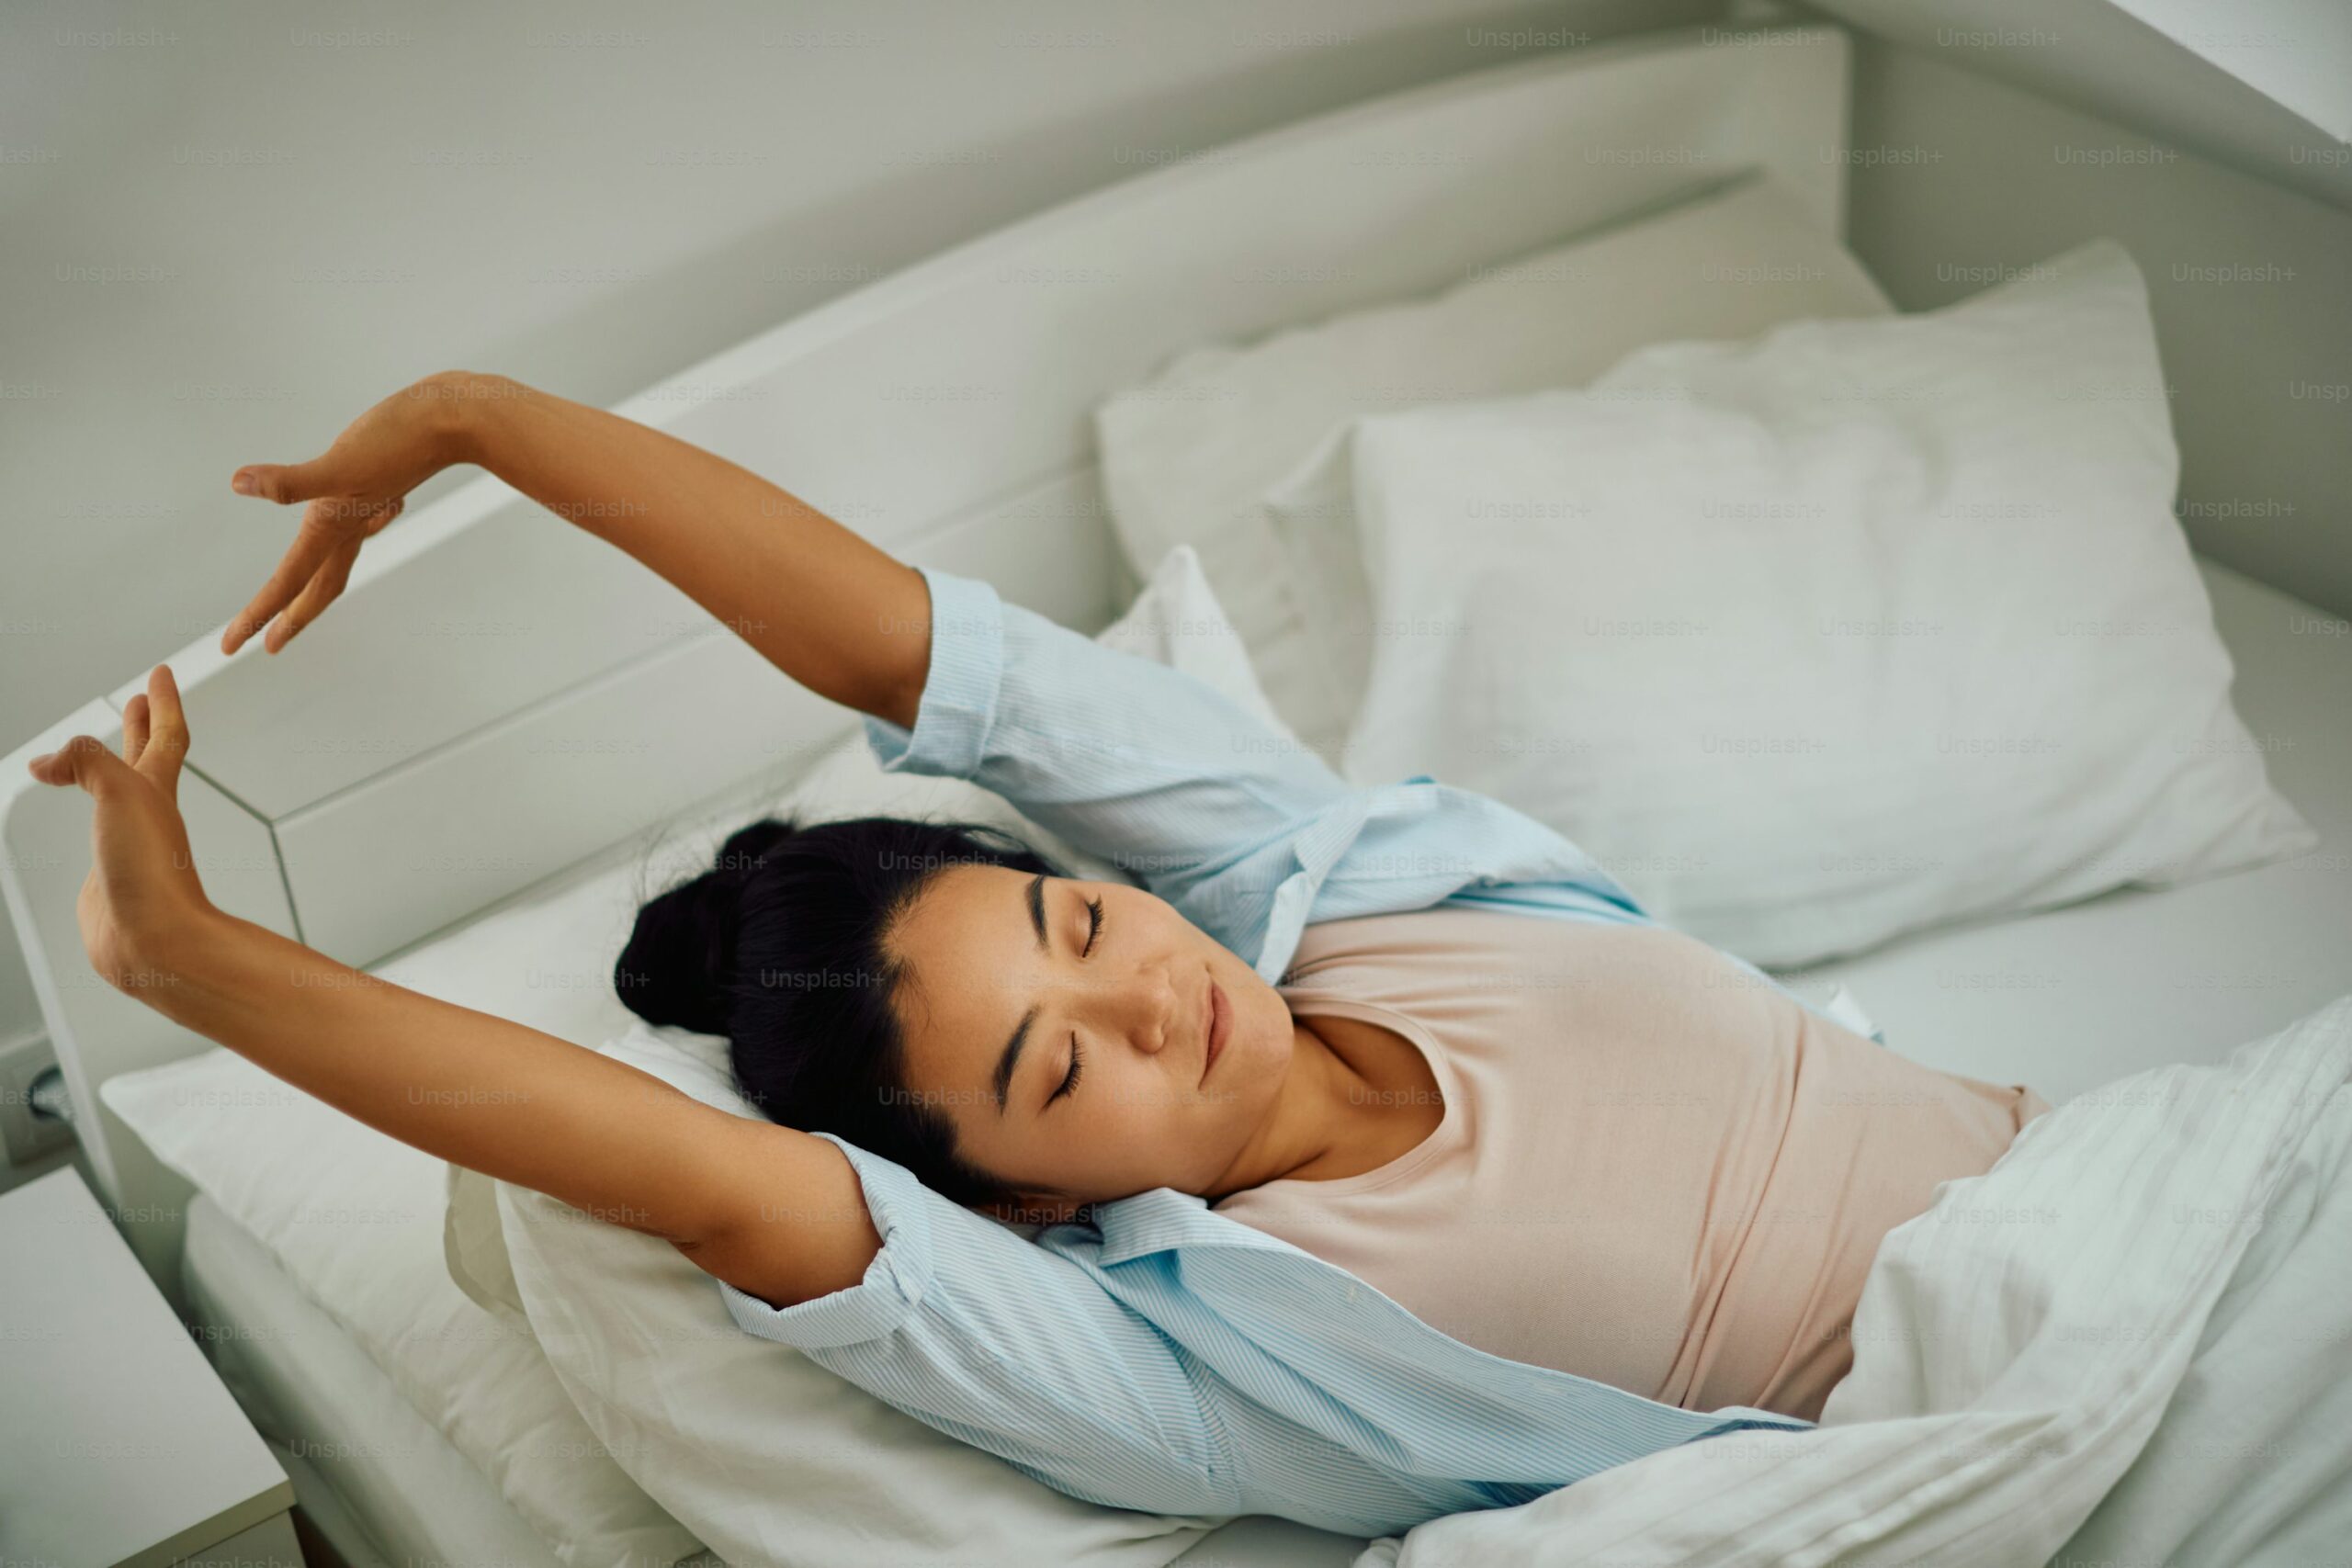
(1961, 180)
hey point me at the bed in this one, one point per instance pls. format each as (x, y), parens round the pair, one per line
(339, 796)
(362, 1452)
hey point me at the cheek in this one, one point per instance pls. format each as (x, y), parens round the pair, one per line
(1139, 1117)
(1136, 1114)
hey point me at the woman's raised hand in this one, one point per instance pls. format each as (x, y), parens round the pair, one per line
(143, 887)
(356, 487)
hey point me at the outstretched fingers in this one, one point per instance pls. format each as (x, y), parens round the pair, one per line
(313, 570)
(155, 743)
(328, 582)
(83, 761)
(135, 714)
(163, 739)
(283, 482)
(314, 541)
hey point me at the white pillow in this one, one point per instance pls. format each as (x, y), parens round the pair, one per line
(766, 1456)
(1186, 455)
(1857, 629)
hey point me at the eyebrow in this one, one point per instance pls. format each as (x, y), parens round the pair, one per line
(1011, 1059)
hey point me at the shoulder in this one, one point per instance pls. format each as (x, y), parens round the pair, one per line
(1408, 939)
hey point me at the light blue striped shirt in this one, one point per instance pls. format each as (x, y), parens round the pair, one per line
(1164, 1356)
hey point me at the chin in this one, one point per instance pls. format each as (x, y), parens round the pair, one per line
(1258, 1046)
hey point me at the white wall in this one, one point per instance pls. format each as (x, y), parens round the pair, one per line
(225, 230)
(2192, 83)
(1960, 177)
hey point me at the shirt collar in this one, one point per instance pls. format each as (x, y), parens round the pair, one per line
(1161, 1220)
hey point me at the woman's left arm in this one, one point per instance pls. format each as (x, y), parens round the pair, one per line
(842, 616)
(1117, 754)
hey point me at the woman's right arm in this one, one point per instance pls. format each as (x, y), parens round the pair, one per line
(769, 1209)
(840, 616)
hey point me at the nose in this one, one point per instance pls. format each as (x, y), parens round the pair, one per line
(1144, 1006)
(1167, 1011)
(1148, 1011)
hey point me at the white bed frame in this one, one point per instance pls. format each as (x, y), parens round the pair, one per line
(498, 696)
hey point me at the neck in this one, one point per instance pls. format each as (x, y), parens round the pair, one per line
(1318, 1114)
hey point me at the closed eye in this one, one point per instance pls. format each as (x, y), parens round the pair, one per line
(1077, 1063)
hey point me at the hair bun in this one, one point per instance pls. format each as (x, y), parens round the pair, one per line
(747, 848)
(678, 969)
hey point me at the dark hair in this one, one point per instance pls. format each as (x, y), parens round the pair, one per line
(778, 947)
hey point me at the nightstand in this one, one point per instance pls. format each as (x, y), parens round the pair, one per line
(119, 1447)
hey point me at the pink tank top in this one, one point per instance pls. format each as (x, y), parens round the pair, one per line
(1654, 1170)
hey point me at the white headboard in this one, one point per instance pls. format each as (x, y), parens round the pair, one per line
(498, 695)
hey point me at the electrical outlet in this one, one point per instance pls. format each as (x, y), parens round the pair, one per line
(23, 1135)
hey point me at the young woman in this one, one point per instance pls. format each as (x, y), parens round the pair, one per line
(1612, 1190)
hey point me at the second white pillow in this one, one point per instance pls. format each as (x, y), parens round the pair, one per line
(1856, 629)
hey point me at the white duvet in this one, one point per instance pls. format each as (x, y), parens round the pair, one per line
(2129, 1342)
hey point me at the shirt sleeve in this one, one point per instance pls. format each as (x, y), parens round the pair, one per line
(1138, 764)
(1000, 1344)
(1237, 824)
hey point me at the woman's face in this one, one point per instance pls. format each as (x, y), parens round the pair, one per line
(989, 950)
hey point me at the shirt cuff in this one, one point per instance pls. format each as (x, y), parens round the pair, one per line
(893, 1284)
(959, 693)
(1748, 1418)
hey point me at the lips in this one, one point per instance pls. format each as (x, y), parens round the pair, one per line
(1216, 1027)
